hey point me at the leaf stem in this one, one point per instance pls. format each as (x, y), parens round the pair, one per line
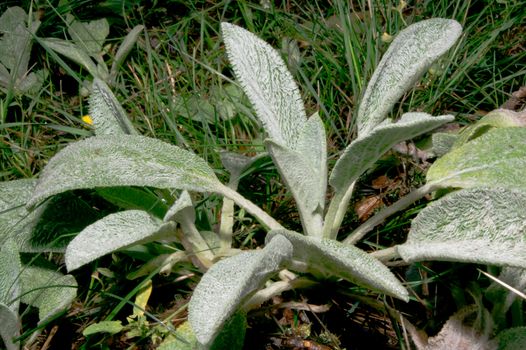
(265, 219)
(336, 212)
(383, 214)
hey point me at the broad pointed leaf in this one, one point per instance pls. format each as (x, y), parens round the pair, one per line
(305, 172)
(497, 158)
(73, 52)
(362, 153)
(484, 226)
(499, 118)
(228, 283)
(50, 291)
(89, 35)
(267, 83)
(15, 40)
(106, 112)
(334, 258)
(409, 56)
(123, 160)
(113, 232)
(125, 48)
(10, 327)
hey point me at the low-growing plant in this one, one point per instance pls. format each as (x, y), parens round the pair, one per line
(16, 77)
(474, 222)
(86, 47)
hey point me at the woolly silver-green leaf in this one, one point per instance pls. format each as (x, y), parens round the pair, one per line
(123, 160)
(89, 36)
(106, 112)
(73, 52)
(331, 257)
(124, 49)
(14, 217)
(497, 158)
(49, 291)
(10, 327)
(499, 118)
(228, 283)
(305, 172)
(113, 232)
(15, 41)
(409, 56)
(267, 83)
(480, 225)
(10, 268)
(362, 153)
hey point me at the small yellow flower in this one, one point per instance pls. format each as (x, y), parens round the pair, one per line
(87, 119)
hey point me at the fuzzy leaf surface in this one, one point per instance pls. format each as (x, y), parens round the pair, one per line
(305, 172)
(331, 257)
(13, 214)
(229, 283)
(123, 160)
(268, 84)
(15, 40)
(10, 327)
(409, 56)
(124, 49)
(106, 112)
(362, 153)
(49, 291)
(113, 232)
(89, 35)
(472, 225)
(499, 118)
(497, 158)
(10, 267)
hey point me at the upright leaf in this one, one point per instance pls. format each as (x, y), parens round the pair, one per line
(409, 56)
(123, 160)
(267, 83)
(333, 258)
(15, 40)
(483, 226)
(363, 152)
(113, 232)
(304, 170)
(124, 49)
(106, 112)
(89, 36)
(497, 158)
(228, 283)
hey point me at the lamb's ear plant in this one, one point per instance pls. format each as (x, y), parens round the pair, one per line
(86, 46)
(46, 289)
(117, 161)
(17, 29)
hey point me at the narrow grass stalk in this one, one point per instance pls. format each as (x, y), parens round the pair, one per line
(383, 214)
